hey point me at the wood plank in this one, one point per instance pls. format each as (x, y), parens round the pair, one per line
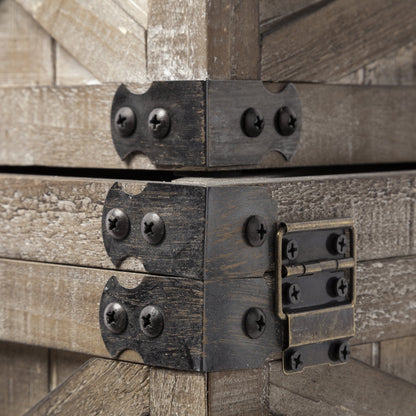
(337, 39)
(62, 364)
(100, 387)
(177, 40)
(69, 71)
(233, 39)
(382, 312)
(24, 377)
(398, 357)
(98, 33)
(58, 220)
(25, 49)
(75, 123)
(273, 12)
(238, 392)
(364, 353)
(354, 388)
(136, 9)
(177, 393)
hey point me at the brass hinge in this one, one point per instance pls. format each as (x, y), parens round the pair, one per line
(315, 292)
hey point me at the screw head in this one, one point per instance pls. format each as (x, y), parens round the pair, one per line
(285, 121)
(343, 352)
(291, 249)
(151, 321)
(340, 245)
(296, 361)
(293, 293)
(115, 317)
(255, 231)
(255, 322)
(125, 121)
(252, 122)
(159, 123)
(152, 228)
(117, 223)
(342, 287)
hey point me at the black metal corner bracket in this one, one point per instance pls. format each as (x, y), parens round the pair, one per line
(205, 124)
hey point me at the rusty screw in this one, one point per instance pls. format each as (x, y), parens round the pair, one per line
(255, 322)
(294, 294)
(255, 231)
(292, 249)
(296, 361)
(159, 123)
(115, 317)
(285, 121)
(125, 121)
(252, 122)
(151, 321)
(117, 223)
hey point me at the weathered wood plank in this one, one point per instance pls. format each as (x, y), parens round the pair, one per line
(177, 40)
(69, 71)
(24, 377)
(100, 387)
(337, 39)
(233, 39)
(98, 33)
(341, 125)
(398, 357)
(177, 393)
(382, 311)
(62, 364)
(238, 392)
(136, 9)
(25, 49)
(364, 353)
(354, 388)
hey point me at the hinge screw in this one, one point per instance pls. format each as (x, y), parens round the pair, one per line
(255, 231)
(296, 361)
(125, 121)
(342, 287)
(151, 321)
(252, 122)
(152, 228)
(341, 244)
(115, 317)
(294, 293)
(159, 123)
(285, 121)
(292, 249)
(255, 322)
(117, 223)
(343, 352)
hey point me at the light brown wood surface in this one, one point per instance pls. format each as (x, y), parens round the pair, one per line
(25, 49)
(24, 377)
(100, 387)
(98, 33)
(352, 389)
(341, 36)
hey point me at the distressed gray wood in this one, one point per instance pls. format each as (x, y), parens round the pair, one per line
(351, 389)
(100, 387)
(336, 39)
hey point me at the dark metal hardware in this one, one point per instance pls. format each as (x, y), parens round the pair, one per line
(315, 292)
(153, 228)
(115, 317)
(151, 321)
(256, 230)
(206, 123)
(117, 223)
(255, 322)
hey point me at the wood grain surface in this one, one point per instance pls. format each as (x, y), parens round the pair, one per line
(341, 36)
(99, 34)
(351, 389)
(25, 49)
(24, 377)
(100, 387)
(75, 123)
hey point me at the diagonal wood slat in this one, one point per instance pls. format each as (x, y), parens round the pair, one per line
(337, 39)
